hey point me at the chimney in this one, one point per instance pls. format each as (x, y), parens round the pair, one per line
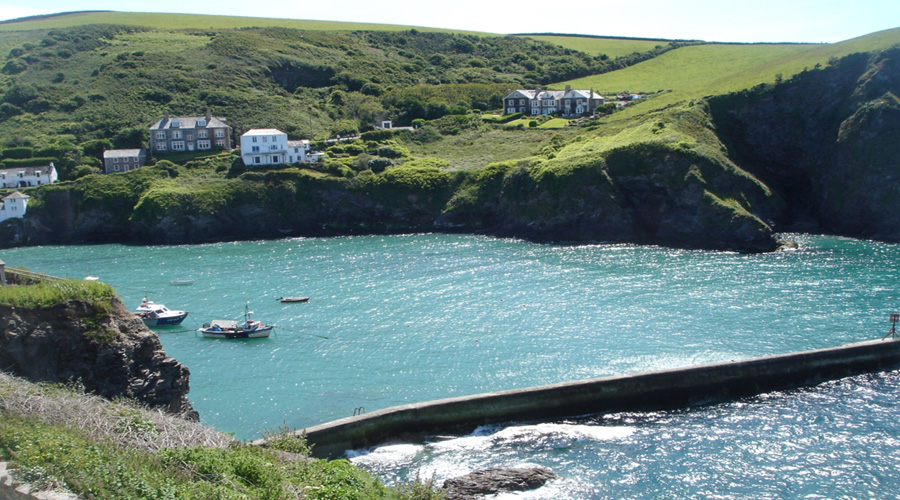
(568, 88)
(208, 116)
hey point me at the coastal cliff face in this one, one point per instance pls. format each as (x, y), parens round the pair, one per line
(826, 141)
(112, 354)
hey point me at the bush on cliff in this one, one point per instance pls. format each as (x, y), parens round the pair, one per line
(48, 293)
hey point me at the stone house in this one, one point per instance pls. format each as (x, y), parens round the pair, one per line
(568, 103)
(190, 133)
(123, 160)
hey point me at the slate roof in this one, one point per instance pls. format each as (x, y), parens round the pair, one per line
(44, 170)
(123, 153)
(188, 122)
(264, 131)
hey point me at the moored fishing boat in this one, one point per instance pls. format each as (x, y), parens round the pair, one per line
(230, 329)
(153, 314)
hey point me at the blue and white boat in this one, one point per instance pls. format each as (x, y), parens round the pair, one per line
(153, 314)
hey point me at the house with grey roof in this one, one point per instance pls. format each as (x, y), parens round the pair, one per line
(13, 206)
(568, 103)
(123, 160)
(190, 133)
(16, 177)
(269, 146)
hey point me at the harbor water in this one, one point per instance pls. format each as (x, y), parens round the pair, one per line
(400, 319)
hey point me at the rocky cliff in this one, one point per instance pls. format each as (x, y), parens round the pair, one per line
(827, 141)
(109, 353)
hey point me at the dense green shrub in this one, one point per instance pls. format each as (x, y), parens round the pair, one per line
(17, 153)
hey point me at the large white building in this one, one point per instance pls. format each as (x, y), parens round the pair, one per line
(15, 177)
(269, 146)
(13, 206)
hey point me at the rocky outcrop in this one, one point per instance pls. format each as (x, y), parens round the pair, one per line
(479, 484)
(109, 352)
(826, 141)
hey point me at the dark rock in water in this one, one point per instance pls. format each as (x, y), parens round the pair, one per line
(111, 354)
(478, 484)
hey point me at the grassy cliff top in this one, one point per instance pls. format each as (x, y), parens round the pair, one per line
(696, 71)
(165, 21)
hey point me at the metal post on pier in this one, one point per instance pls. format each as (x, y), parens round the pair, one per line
(2, 273)
(895, 317)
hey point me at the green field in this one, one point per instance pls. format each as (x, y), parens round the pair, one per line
(191, 21)
(595, 46)
(700, 70)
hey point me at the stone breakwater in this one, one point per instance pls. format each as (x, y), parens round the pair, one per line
(651, 391)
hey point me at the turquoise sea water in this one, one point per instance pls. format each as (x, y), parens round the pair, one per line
(400, 319)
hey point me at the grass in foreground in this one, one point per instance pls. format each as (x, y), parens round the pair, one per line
(58, 439)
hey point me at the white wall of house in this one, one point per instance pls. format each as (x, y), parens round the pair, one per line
(13, 206)
(264, 146)
(27, 176)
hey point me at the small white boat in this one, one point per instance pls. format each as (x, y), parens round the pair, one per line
(293, 299)
(230, 329)
(91, 278)
(182, 282)
(153, 314)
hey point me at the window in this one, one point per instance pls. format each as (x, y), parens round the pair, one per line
(160, 146)
(220, 144)
(203, 134)
(176, 134)
(203, 144)
(115, 160)
(116, 168)
(276, 159)
(135, 159)
(177, 145)
(254, 139)
(265, 139)
(220, 133)
(256, 159)
(160, 135)
(190, 137)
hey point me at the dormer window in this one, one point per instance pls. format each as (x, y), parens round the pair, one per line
(176, 123)
(201, 122)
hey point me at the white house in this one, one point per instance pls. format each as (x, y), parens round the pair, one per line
(13, 177)
(269, 146)
(13, 206)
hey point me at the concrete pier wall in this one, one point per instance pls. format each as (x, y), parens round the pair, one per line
(638, 392)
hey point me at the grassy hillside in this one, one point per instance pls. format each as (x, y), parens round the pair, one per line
(696, 71)
(193, 21)
(595, 45)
